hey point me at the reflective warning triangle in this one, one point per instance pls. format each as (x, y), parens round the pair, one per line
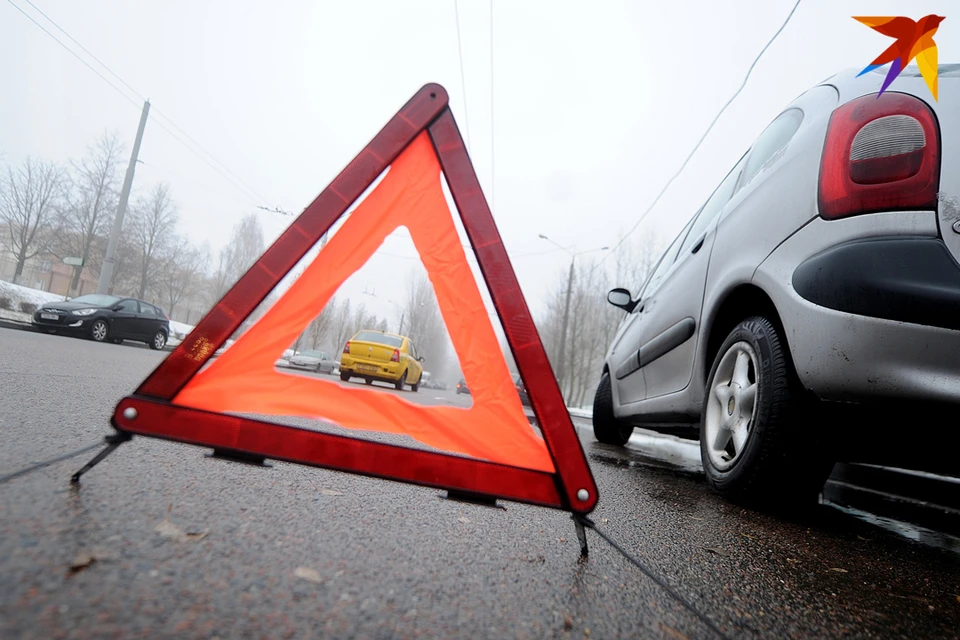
(488, 450)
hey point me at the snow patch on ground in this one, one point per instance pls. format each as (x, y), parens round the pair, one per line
(180, 330)
(18, 294)
(581, 412)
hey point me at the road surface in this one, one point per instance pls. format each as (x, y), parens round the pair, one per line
(162, 542)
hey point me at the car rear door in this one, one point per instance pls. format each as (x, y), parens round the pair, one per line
(125, 320)
(672, 306)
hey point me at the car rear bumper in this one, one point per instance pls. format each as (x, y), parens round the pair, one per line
(389, 372)
(870, 319)
(906, 279)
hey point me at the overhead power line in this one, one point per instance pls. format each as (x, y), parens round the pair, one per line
(702, 138)
(235, 181)
(463, 75)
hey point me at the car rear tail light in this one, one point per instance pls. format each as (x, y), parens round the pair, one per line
(346, 348)
(396, 356)
(880, 154)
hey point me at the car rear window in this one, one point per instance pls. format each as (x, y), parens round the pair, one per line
(379, 338)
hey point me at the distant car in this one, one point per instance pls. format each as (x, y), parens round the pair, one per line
(105, 318)
(319, 361)
(821, 275)
(386, 357)
(462, 387)
(521, 389)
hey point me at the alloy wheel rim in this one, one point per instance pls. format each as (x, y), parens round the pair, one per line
(100, 331)
(159, 341)
(731, 406)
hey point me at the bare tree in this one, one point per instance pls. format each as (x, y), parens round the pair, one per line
(592, 322)
(29, 201)
(91, 203)
(152, 231)
(424, 323)
(180, 269)
(342, 327)
(245, 247)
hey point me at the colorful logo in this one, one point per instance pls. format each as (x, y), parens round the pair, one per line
(914, 40)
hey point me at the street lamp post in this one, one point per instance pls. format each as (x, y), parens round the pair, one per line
(566, 307)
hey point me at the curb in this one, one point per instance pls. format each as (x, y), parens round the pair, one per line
(13, 324)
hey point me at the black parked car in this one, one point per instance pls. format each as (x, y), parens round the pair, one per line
(105, 318)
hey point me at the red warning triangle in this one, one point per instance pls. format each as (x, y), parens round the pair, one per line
(493, 452)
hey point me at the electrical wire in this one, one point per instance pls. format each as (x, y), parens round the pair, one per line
(702, 138)
(47, 463)
(236, 182)
(463, 75)
(493, 172)
(589, 524)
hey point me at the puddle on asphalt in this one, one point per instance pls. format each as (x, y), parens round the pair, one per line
(924, 536)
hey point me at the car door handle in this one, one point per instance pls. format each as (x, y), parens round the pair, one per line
(698, 245)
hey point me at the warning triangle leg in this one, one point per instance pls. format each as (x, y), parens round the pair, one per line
(112, 441)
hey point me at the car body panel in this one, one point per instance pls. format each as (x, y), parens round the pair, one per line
(769, 227)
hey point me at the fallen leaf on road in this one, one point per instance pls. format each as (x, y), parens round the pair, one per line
(839, 570)
(958, 598)
(169, 530)
(568, 621)
(330, 492)
(716, 550)
(746, 536)
(672, 632)
(81, 562)
(464, 519)
(310, 575)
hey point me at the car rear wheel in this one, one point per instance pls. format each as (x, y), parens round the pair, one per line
(758, 441)
(159, 341)
(99, 330)
(606, 427)
(402, 381)
(345, 376)
(116, 340)
(368, 380)
(416, 387)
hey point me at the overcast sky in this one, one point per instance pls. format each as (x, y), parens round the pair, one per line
(592, 106)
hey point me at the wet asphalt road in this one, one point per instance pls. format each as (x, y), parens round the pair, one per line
(188, 547)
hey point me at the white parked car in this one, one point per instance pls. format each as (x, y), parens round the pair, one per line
(319, 361)
(821, 274)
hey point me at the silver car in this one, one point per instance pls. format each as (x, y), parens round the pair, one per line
(821, 274)
(319, 361)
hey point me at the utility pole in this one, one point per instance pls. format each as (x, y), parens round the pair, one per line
(563, 330)
(109, 261)
(403, 315)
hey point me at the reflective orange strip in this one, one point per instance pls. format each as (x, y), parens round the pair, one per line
(244, 379)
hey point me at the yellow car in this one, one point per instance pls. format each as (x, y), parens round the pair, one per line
(376, 355)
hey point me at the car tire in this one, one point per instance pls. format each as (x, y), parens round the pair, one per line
(416, 387)
(606, 427)
(402, 381)
(99, 330)
(345, 377)
(780, 459)
(368, 380)
(116, 340)
(159, 341)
